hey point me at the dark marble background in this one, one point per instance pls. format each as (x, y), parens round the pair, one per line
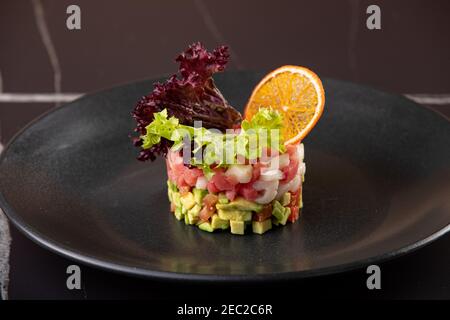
(122, 41)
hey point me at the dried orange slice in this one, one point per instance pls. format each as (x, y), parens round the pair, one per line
(294, 91)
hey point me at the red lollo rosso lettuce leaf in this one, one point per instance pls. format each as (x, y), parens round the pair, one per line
(189, 96)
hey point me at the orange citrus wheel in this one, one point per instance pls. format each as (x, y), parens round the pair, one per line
(294, 91)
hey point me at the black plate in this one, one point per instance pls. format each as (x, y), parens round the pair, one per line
(377, 185)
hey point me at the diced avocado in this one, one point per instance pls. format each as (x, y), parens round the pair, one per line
(277, 204)
(192, 214)
(285, 199)
(169, 194)
(178, 214)
(186, 219)
(187, 200)
(192, 219)
(286, 214)
(172, 186)
(176, 198)
(237, 215)
(260, 227)
(206, 226)
(199, 194)
(223, 198)
(237, 227)
(240, 204)
(218, 223)
(278, 210)
(278, 213)
(195, 210)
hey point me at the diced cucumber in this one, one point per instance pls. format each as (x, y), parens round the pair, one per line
(260, 227)
(237, 227)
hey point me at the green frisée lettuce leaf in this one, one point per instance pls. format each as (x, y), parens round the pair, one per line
(160, 127)
(265, 118)
(263, 130)
(212, 148)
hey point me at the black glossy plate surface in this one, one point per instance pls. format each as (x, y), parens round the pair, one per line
(377, 185)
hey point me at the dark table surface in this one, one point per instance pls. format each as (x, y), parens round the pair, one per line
(123, 41)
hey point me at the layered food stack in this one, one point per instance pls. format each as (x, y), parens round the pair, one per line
(225, 171)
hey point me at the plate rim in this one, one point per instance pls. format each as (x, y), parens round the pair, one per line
(74, 255)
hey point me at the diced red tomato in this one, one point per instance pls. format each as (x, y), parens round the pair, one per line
(206, 213)
(178, 171)
(294, 205)
(265, 213)
(290, 171)
(222, 182)
(247, 191)
(294, 214)
(210, 200)
(212, 187)
(181, 182)
(191, 174)
(209, 208)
